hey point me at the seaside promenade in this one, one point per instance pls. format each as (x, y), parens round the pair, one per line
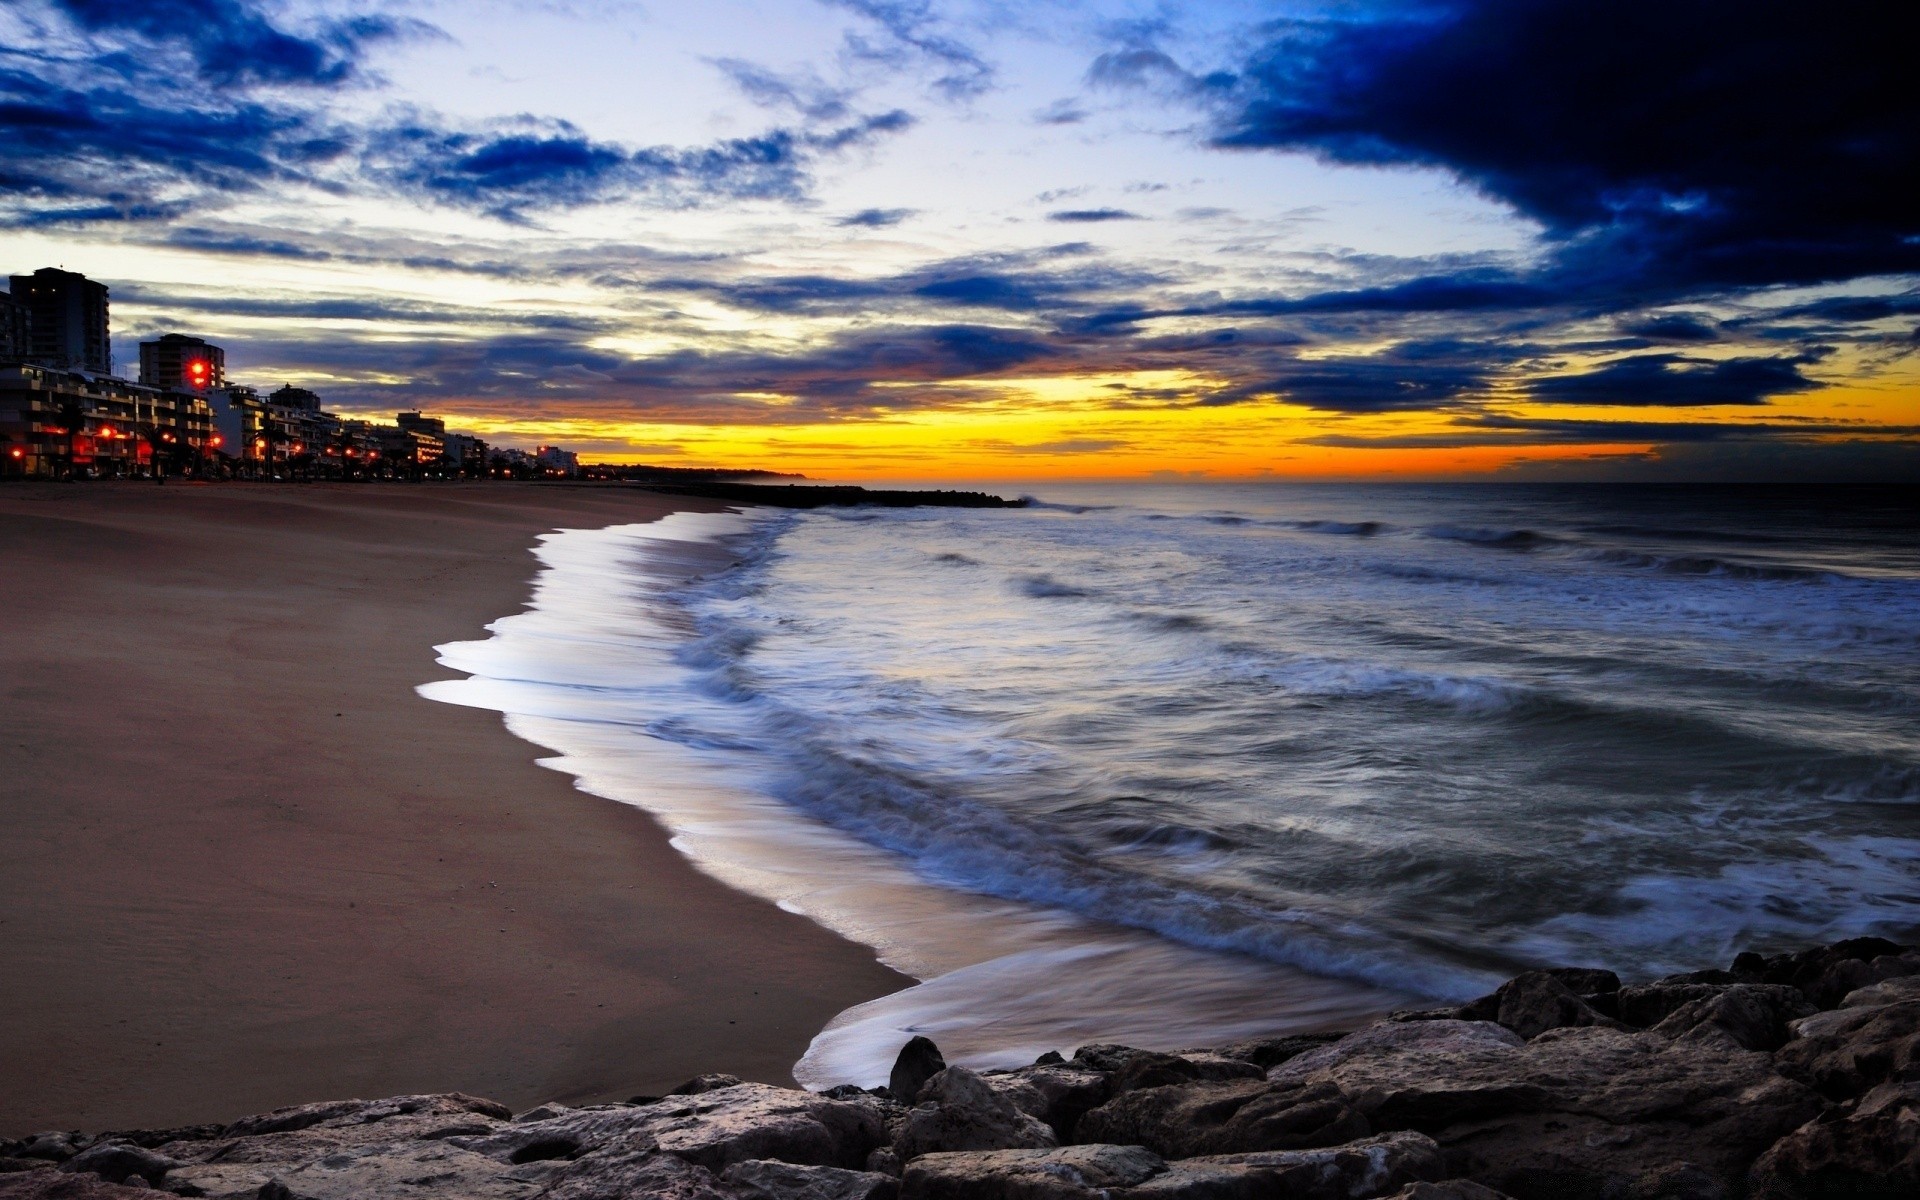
(247, 866)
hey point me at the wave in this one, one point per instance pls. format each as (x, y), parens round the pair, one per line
(1669, 922)
(1701, 564)
(1339, 528)
(956, 840)
(1030, 501)
(956, 560)
(1504, 539)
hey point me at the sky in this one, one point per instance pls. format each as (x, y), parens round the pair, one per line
(979, 239)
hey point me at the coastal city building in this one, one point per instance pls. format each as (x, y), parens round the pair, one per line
(66, 320)
(178, 361)
(13, 329)
(65, 414)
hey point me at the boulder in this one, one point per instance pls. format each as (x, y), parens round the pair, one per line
(918, 1061)
(1814, 971)
(1898, 990)
(1868, 1150)
(1270, 1052)
(1223, 1118)
(761, 1179)
(391, 1172)
(1754, 1016)
(1645, 1005)
(961, 1112)
(1059, 1094)
(54, 1185)
(1354, 1171)
(1063, 1173)
(1537, 1001)
(116, 1162)
(625, 1173)
(1448, 1189)
(1846, 1052)
(711, 1129)
(363, 1112)
(704, 1083)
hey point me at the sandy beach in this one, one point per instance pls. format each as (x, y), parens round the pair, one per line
(245, 865)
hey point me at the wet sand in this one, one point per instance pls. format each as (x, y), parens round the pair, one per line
(245, 865)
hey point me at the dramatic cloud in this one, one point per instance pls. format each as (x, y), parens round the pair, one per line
(1676, 381)
(231, 42)
(1662, 143)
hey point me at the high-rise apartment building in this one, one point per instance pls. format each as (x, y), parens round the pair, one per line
(66, 320)
(186, 363)
(14, 342)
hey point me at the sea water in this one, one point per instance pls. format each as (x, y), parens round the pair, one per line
(1177, 764)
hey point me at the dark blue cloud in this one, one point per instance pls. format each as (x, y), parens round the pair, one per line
(1411, 376)
(876, 218)
(1673, 380)
(234, 42)
(1092, 215)
(1671, 327)
(1664, 145)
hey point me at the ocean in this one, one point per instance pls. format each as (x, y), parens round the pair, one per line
(1177, 764)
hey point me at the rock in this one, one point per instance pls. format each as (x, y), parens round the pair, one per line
(1846, 1052)
(1867, 1150)
(1533, 1003)
(1893, 991)
(1365, 1168)
(55, 1185)
(627, 1173)
(704, 1083)
(543, 1112)
(1448, 1189)
(116, 1162)
(52, 1146)
(885, 1162)
(1065, 1173)
(1754, 1016)
(1059, 1094)
(711, 1129)
(389, 1172)
(363, 1112)
(1574, 1112)
(1050, 1058)
(961, 1112)
(760, 1179)
(1813, 971)
(10, 1165)
(1267, 1053)
(1645, 1005)
(1230, 1117)
(1678, 1181)
(919, 1060)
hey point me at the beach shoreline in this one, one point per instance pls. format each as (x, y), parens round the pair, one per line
(248, 865)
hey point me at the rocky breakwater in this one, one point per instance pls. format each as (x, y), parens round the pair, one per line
(1793, 1077)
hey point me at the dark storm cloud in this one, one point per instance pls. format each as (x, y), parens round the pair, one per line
(1412, 376)
(1664, 145)
(233, 42)
(1671, 327)
(1674, 380)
